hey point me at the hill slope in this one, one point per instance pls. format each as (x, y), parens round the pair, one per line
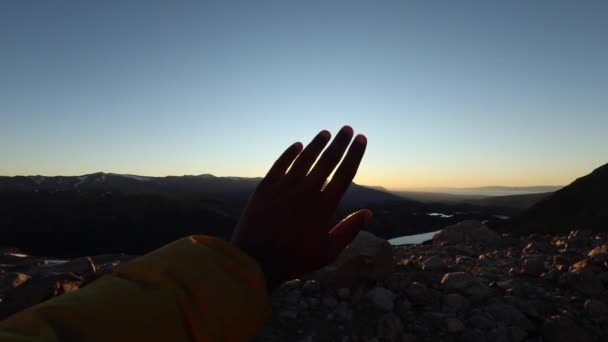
(581, 205)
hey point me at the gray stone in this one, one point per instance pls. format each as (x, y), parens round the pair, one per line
(389, 327)
(464, 232)
(457, 280)
(329, 301)
(367, 257)
(472, 335)
(533, 264)
(454, 325)
(343, 293)
(344, 312)
(311, 286)
(454, 302)
(561, 329)
(382, 298)
(434, 263)
(481, 322)
(594, 307)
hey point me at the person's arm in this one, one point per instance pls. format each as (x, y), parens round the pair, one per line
(195, 289)
(204, 289)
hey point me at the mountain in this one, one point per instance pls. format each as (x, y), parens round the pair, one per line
(518, 202)
(509, 205)
(226, 188)
(110, 213)
(484, 191)
(581, 205)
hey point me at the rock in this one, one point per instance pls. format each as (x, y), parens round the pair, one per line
(311, 286)
(457, 280)
(292, 284)
(36, 290)
(536, 247)
(481, 322)
(406, 305)
(561, 329)
(416, 291)
(595, 308)
(454, 302)
(464, 260)
(418, 294)
(584, 282)
(288, 314)
(367, 257)
(313, 301)
(508, 315)
(329, 302)
(498, 335)
(344, 312)
(454, 325)
(472, 335)
(408, 338)
(293, 296)
(534, 264)
(81, 266)
(470, 231)
(587, 265)
(382, 298)
(343, 293)
(389, 327)
(477, 290)
(434, 263)
(11, 280)
(599, 254)
(516, 334)
(559, 260)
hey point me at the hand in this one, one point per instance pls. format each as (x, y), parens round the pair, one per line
(285, 226)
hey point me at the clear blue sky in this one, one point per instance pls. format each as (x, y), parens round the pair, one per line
(452, 93)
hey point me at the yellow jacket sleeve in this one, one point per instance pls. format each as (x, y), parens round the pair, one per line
(195, 289)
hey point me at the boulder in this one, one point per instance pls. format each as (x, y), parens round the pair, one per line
(389, 327)
(457, 280)
(599, 254)
(434, 263)
(584, 282)
(562, 329)
(11, 280)
(367, 257)
(37, 290)
(470, 231)
(454, 325)
(595, 308)
(533, 264)
(382, 298)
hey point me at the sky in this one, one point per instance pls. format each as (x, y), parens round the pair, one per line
(448, 93)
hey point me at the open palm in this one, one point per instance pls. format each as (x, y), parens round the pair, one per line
(286, 225)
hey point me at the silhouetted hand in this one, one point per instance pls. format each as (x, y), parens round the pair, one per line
(285, 226)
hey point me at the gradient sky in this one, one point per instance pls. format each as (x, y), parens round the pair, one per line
(454, 93)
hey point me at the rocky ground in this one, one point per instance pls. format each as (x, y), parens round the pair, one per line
(469, 284)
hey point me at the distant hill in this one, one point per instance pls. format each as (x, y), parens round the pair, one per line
(484, 191)
(513, 201)
(505, 205)
(226, 188)
(107, 213)
(581, 205)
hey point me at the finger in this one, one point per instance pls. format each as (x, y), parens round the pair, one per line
(345, 173)
(281, 165)
(305, 160)
(345, 232)
(331, 157)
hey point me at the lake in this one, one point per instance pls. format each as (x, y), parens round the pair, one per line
(412, 239)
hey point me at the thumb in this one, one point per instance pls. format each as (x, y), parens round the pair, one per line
(346, 231)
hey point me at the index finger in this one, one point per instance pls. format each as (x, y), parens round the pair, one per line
(347, 170)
